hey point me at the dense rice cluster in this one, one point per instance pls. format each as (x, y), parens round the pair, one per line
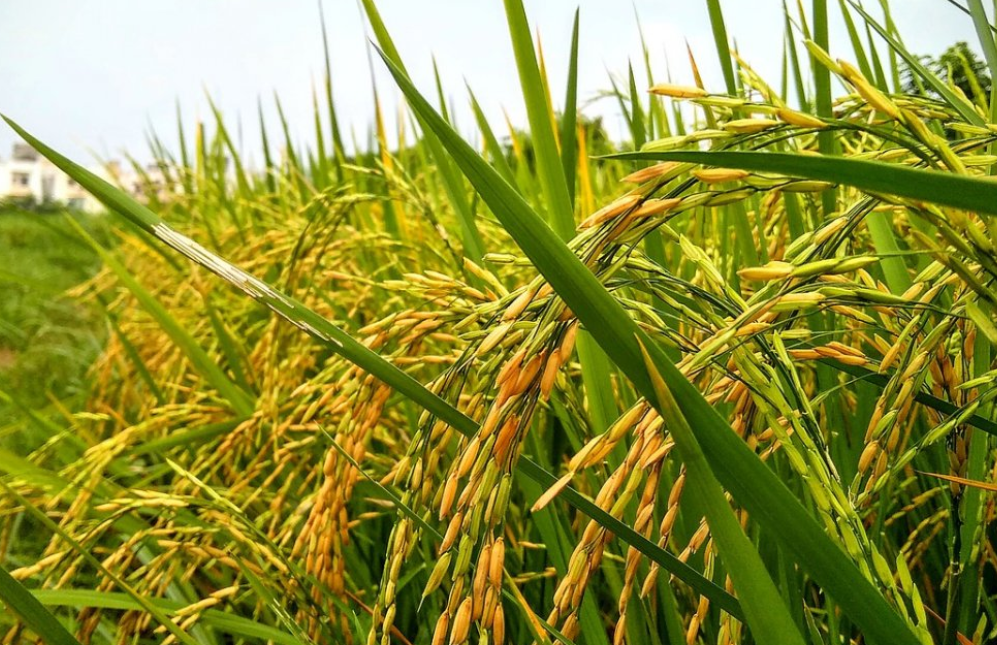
(230, 464)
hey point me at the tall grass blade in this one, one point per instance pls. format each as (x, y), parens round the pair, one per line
(822, 95)
(968, 193)
(238, 398)
(495, 151)
(339, 155)
(473, 243)
(222, 621)
(764, 609)
(569, 117)
(722, 44)
(27, 607)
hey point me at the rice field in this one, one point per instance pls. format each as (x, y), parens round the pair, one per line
(729, 381)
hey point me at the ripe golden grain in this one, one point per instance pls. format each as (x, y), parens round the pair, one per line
(440, 633)
(774, 270)
(493, 338)
(453, 529)
(653, 207)
(610, 211)
(651, 172)
(552, 492)
(449, 493)
(677, 91)
(498, 625)
(750, 126)
(496, 562)
(462, 622)
(868, 454)
(799, 119)
(719, 175)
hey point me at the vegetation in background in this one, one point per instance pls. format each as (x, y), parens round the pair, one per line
(731, 384)
(958, 65)
(48, 340)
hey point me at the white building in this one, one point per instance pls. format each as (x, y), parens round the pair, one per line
(29, 175)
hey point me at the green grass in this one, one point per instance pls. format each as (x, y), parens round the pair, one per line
(47, 340)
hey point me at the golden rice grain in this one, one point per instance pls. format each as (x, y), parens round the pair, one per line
(461, 623)
(750, 126)
(552, 492)
(442, 627)
(452, 531)
(719, 175)
(498, 626)
(496, 562)
(800, 119)
(651, 172)
(774, 270)
(677, 91)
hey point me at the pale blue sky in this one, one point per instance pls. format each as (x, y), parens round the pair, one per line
(95, 74)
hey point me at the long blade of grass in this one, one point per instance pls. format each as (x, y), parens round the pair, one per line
(213, 374)
(968, 193)
(224, 622)
(569, 118)
(965, 482)
(337, 137)
(984, 31)
(737, 467)
(857, 47)
(766, 613)
(242, 182)
(722, 44)
(27, 607)
(794, 60)
(822, 99)
(495, 150)
(549, 167)
(473, 243)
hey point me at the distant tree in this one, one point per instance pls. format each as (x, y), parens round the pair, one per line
(958, 65)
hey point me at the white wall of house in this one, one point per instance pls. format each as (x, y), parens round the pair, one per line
(27, 174)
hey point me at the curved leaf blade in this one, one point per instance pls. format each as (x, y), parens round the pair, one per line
(40, 620)
(766, 612)
(957, 191)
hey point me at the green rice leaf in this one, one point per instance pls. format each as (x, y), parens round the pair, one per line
(240, 401)
(569, 119)
(473, 244)
(764, 608)
(968, 193)
(27, 607)
(222, 621)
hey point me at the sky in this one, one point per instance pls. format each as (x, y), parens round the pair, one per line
(93, 77)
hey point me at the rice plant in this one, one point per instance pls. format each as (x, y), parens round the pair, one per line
(731, 383)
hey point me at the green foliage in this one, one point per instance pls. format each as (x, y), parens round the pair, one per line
(47, 340)
(958, 65)
(733, 387)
